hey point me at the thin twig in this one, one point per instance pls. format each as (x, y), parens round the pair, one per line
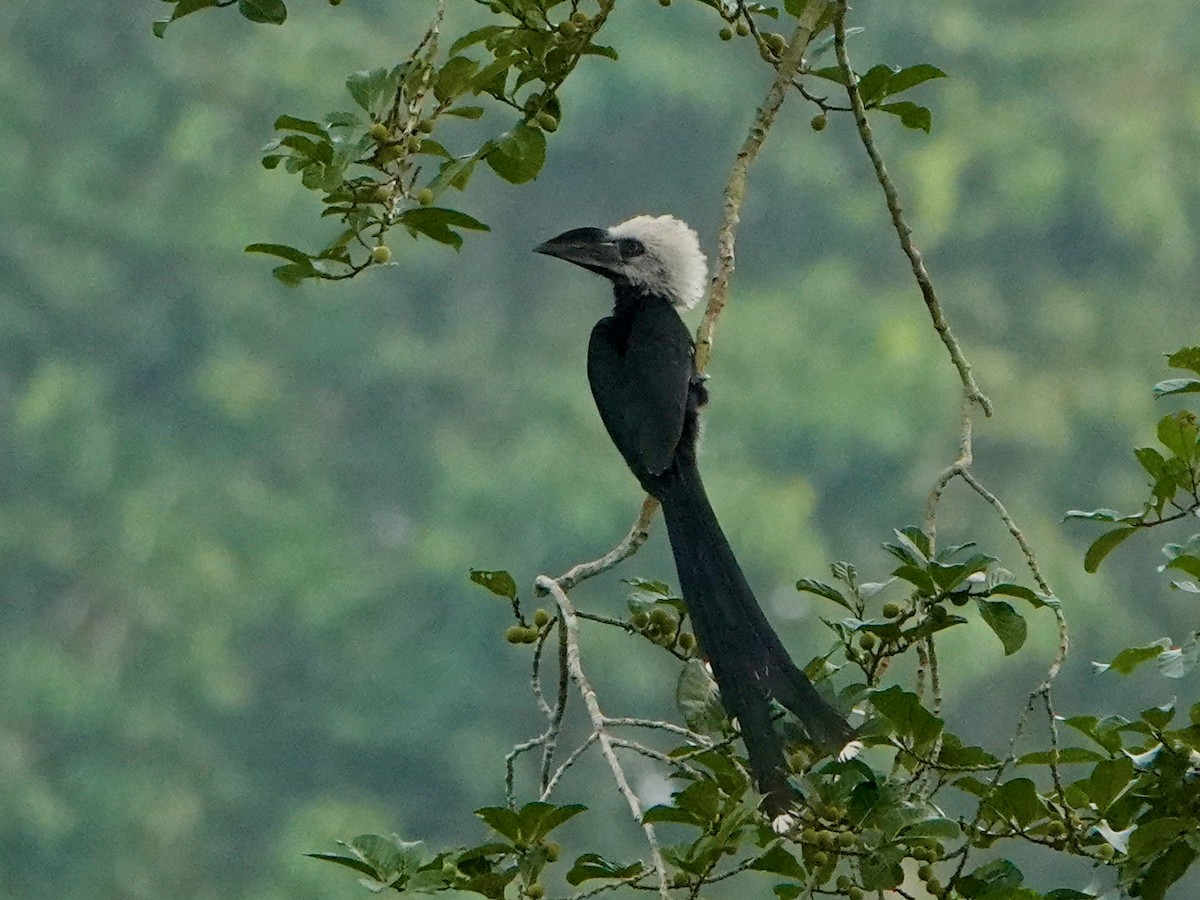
(570, 625)
(735, 187)
(903, 231)
(629, 545)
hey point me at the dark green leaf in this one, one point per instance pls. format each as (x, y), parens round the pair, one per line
(1166, 869)
(1068, 894)
(1152, 461)
(907, 716)
(1187, 358)
(663, 813)
(933, 827)
(600, 50)
(476, 37)
(420, 216)
(501, 820)
(1108, 780)
(351, 862)
(912, 76)
(270, 12)
(1007, 589)
(992, 878)
(499, 583)
(1017, 800)
(779, 861)
(919, 118)
(453, 77)
(519, 155)
(872, 87)
(821, 589)
(1152, 837)
(1104, 545)
(907, 550)
(539, 819)
(1177, 432)
(1132, 657)
(918, 578)
(1008, 624)
(830, 73)
(593, 865)
(465, 112)
(291, 123)
(955, 753)
(295, 273)
(281, 250)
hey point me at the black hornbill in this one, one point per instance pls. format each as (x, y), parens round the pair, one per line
(643, 376)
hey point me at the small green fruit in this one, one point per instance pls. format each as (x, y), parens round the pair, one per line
(515, 634)
(664, 2)
(531, 636)
(775, 42)
(891, 610)
(425, 126)
(846, 839)
(553, 851)
(866, 640)
(381, 254)
(933, 886)
(541, 617)
(843, 883)
(568, 29)
(546, 121)
(640, 619)
(855, 893)
(742, 29)
(819, 121)
(414, 143)
(581, 19)
(425, 196)
(726, 33)
(925, 872)
(380, 132)
(687, 641)
(938, 613)
(381, 194)
(535, 891)
(820, 859)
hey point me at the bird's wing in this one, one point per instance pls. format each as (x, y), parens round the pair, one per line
(640, 376)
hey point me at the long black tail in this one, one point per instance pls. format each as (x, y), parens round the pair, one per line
(748, 660)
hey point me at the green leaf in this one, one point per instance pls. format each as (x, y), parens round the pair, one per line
(1132, 657)
(281, 250)
(351, 862)
(519, 156)
(499, 583)
(1104, 545)
(465, 112)
(1008, 624)
(295, 273)
(453, 77)
(991, 879)
(907, 716)
(270, 12)
(478, 36)
(1176, 386)
(697, 699)
(918, 578)
(1109, 779)
(1166, 869)
(912, 76)
(872, 87)
(780, 862)
(1187, 358)
(1152, 837)
(501, 820)
(907, 550)
(1008, 589)
(375, 88)
(918, 118)
(593, 865)
(821, 589)
(1177, 432)
(665, 813)
(1017, 800)
(291, 123)
(933, 827)
(539, 819)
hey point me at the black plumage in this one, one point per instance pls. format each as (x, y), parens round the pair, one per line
(643, 377)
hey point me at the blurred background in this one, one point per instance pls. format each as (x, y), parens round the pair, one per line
(237, 519)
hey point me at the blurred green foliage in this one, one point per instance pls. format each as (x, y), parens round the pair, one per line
(237, 520)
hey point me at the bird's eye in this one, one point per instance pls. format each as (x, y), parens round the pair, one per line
(631, 247)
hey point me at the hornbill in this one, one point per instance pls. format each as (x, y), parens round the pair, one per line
(643, 376)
